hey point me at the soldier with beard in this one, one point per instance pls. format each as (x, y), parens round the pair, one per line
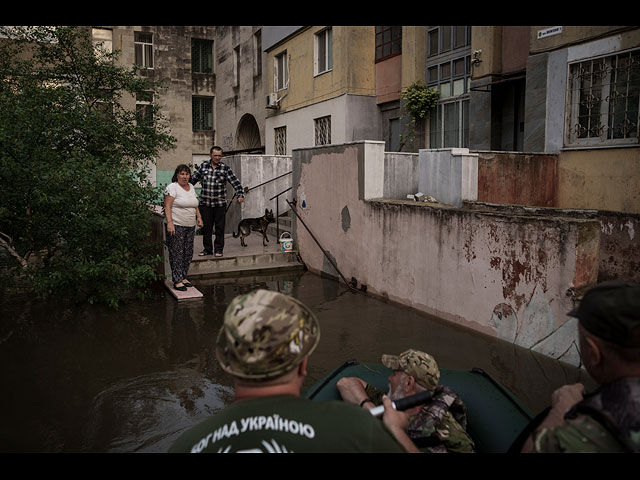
(436, 427)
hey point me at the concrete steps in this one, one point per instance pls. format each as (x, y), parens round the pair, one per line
(238, 261)
(284, 225)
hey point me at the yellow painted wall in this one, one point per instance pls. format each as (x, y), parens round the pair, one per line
(600, 179)
(353, 66)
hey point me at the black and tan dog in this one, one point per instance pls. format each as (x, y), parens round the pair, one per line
(257, 225)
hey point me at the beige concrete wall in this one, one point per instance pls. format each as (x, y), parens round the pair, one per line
(600, 179)
(353, 67)
(507, 276)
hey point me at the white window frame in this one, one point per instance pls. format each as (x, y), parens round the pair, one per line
(281, 73)
(597, 101)
(146, 51)
(323, 52)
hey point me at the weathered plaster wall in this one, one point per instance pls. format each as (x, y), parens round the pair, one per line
(507, 276)
(618, 245)
(254, 170)
(518, 178)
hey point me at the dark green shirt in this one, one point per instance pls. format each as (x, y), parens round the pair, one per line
(288, 424)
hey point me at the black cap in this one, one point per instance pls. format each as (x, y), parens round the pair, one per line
(611, 311)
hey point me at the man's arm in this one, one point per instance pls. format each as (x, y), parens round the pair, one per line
(196, 176)
(562, 400)
(235, 183)
(352, 390)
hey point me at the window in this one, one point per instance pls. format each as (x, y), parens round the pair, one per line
(449, 124)
(280, 140)
(102, 39)
(257, 48)
(201, 55)
(144, 107)
(236, 66)
(451, 77)
(143, 43)
(447, 38)
(388, 42)
(323, 52)
(323, 130)
(603, 100)
(281, 72)
(202, 113)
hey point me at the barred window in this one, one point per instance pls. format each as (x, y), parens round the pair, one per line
(201, 55)
(143, 43)
(603, 100)
(323, 130)
(202, 113)
(280, 135)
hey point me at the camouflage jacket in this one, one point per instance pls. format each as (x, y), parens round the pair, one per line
(440, 426)
(606, 421)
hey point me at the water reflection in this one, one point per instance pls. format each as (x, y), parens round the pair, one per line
(90, 379)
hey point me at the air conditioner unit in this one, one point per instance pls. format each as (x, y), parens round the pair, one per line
(272, 100)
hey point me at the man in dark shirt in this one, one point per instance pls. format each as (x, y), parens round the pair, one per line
(214, 176)
(264, 344)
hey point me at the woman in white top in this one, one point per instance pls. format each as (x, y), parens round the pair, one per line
(182, 214)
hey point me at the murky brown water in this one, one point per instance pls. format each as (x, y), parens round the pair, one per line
(90, 379)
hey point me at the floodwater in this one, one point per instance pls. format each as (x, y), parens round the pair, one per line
(91, 379)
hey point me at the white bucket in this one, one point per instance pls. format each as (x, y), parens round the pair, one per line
(286, 244)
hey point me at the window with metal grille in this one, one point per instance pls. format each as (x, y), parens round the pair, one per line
(280, 139)
(603, 100)
(323, 130)
(143, 44)
(323, 51)
(201, 55)
(388, 42)
(202, 113)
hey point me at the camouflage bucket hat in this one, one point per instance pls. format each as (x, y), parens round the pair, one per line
(265, 335)
(417, 364)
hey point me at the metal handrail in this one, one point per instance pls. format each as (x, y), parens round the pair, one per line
(278, 210)
(264, 183)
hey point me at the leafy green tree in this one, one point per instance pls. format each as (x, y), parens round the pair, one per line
(74, 167)
(418, 101)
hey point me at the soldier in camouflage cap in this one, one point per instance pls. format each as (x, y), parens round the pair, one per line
(420, 365)
(608, 419)
(439, 426)
(265, 343)
(265, 335)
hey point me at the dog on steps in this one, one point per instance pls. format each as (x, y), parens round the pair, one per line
(257, 225)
